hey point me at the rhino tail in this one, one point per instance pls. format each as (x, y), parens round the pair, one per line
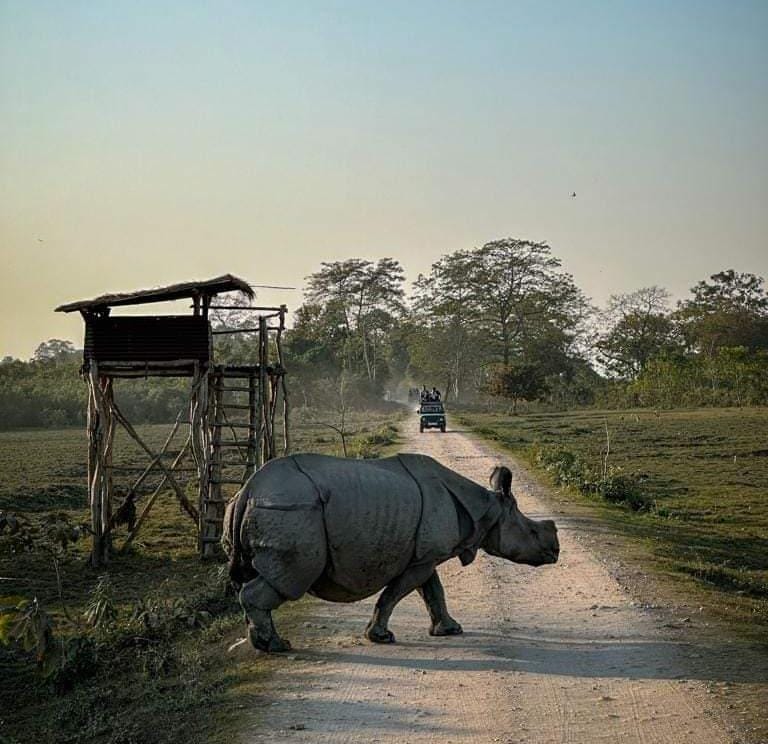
(238, 573)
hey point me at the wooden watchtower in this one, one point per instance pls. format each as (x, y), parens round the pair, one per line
(229, 407)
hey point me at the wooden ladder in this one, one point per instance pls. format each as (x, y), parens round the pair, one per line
(237, 426)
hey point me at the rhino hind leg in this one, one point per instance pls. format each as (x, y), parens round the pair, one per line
(412, 578)
(434, 598)
(258, 599)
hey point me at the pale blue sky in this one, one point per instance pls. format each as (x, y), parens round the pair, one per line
(146, 143)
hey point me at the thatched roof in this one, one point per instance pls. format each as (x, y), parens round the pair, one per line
(209, 288)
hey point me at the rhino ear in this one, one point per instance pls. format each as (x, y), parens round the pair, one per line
(501, 480)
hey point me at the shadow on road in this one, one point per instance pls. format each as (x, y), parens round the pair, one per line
(585, 657)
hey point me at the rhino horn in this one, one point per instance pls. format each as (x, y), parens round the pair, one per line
(501, 480)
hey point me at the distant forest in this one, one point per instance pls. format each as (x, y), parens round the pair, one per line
(499, 324)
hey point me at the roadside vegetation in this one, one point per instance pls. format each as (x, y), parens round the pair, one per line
(138, 651)
(689, 485)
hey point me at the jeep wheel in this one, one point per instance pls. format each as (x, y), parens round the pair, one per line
(442, 428)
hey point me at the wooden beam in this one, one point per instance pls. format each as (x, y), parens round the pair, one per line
(276, 310)
(145, 511)
(166, 471)
(148, 469)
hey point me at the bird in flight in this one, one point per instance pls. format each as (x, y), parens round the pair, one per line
(573, 194)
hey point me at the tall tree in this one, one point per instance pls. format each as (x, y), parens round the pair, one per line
(731, 309)
(520, 291)
(636, 328)
(366, 297)
(444, 343)
(507, 302)
(54, 350)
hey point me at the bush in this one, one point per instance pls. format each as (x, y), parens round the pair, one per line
(160, 613)
(613, 485)
(620, 488)
(369, 446)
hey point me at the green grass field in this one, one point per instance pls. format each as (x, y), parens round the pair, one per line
(704, 477)
(177, 684)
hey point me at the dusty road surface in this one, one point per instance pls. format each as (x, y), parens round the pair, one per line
(554, 654)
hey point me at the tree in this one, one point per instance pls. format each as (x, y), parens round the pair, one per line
(637, 328)
(543, 367)
(519, 291)
(493, 304)
(729, 310)
(444, 342)
(519, 380)
(731, 290)
(54, 350)
(366, 298)
(442, 354)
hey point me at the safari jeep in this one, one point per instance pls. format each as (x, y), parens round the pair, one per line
(431, 416)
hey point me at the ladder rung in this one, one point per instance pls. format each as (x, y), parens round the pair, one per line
(234, 374)
(235, 425)
(235, 407)
(234, 389)
(231, 444)
(226, 481)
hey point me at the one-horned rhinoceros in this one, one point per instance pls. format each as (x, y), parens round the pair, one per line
(344, 529)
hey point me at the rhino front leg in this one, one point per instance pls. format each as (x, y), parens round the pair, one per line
(412, 578)
(434, 597)
(258, 599)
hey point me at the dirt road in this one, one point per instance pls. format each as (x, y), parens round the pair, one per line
(555, 654)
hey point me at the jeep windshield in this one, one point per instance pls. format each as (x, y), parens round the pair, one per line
(432, 408)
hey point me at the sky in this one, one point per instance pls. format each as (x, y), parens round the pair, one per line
(144, 143)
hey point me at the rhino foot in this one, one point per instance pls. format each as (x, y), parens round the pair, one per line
(377, 635)
(446, 628)
(272, 645)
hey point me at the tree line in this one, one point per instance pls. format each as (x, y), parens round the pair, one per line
(501, 322)
(505, 322)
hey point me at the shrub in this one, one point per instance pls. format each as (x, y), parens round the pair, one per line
(613, 485)
(101, 613)
(369, 446)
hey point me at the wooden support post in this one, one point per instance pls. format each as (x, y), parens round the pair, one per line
(198, 441)
(211, 512)
(109, 439)
(101, 431)
(284, 389)
(94, 484)
(264, 390)
(251, 458)
(274, 382)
